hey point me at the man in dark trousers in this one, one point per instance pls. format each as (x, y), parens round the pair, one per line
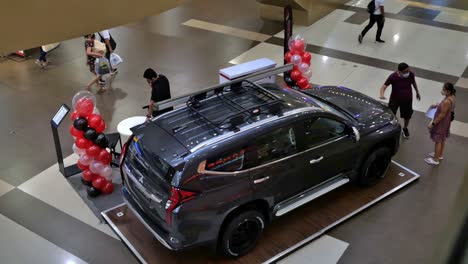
(160, 91)
(402, 93)
(377, 14)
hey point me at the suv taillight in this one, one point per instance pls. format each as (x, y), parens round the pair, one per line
(178, 197)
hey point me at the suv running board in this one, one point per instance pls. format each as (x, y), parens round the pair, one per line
(312, 194)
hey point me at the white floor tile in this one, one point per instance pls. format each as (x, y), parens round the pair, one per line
(19, 245)
(5, 187)
(408, 42)
(324, 250)
(452, 18)
(52, 188)
(391, 6)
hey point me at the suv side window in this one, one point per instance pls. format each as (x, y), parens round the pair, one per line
(320, 130)
(228, 161)
(270, 147)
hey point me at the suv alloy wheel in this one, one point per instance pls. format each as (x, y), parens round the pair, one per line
(375, 166)
(241, 233)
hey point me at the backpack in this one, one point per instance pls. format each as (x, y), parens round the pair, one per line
(112, 42)
(371, 7)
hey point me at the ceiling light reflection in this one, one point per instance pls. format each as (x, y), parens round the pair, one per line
(396, 37)
(324, 58)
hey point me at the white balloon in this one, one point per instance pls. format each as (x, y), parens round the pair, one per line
(83, 94)
(86, 160)
(296, 60)
(96, 167)
(96, 111)
(307, 74)
(303, 67)
(78, 151)
(106, 172)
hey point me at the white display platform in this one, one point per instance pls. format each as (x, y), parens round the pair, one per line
(243, 69)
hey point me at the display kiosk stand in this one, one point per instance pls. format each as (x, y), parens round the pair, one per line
(55, 123)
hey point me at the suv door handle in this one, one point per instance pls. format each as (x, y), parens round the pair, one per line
(257, 181)
(317, 160)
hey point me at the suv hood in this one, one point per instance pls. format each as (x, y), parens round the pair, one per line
(363, 108)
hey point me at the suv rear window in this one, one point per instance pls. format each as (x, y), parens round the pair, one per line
(149, 163)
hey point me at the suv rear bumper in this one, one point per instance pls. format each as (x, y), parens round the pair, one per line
(155, 231)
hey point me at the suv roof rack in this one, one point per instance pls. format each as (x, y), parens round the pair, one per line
(205, 93)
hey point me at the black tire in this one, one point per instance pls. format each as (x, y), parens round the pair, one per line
(374, 167)
(241, 233)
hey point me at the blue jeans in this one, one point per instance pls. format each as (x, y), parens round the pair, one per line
(42, 56)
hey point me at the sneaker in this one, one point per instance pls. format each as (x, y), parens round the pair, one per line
(38, 62)
(405, 133)
(102, 82)
(431, 161)
(380, 41)
(114, 72)
(433, 155)
(360, 38)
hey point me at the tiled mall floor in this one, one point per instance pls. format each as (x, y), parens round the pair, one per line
(43, 220)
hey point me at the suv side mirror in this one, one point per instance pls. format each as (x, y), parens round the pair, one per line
(355, 134)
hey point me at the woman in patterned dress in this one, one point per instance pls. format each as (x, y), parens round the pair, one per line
(91, 59)
(439, 128)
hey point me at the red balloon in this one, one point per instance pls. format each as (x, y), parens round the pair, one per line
(296, 75)
(94, 121)
(298, 46)
(306, 57)
(74, 115)
(88, 175)
(93, 151)
(84, 107)
(104, 157)
(303, 82)
(108, 188)
(83, 143)
(288, 56)
(75, 132)
(82, 167)
(99, 182)
(307, 87)
(101, 127)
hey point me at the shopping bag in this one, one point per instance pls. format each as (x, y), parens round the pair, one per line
(115, 59)
(99, 46)
(102, 66)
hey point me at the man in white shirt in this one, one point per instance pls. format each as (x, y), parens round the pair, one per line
(376, 15)
(107, 39)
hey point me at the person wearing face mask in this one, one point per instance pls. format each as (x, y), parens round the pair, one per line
(160, 91)
(401, 96)
(439, 128)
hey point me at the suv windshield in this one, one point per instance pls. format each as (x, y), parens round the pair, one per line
(147, 161)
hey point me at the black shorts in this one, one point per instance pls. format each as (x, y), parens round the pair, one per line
(406, 108)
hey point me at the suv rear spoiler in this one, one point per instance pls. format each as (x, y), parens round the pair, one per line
(252, 77)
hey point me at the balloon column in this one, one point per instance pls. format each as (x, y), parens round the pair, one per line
(91, 144)
(301, 73)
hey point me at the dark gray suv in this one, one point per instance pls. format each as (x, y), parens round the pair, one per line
(218, 169)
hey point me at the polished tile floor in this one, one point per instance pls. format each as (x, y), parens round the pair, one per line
(43, 218)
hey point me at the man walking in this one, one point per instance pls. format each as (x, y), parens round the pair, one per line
(160, 91)
(111, 45)
(402, 93)
(377, 14)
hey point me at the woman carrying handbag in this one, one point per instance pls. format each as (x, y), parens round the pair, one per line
(439, 128)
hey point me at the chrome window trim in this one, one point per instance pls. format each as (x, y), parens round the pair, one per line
(208, 172)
